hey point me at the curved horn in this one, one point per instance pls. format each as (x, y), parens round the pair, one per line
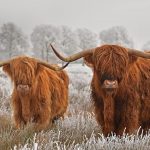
(4, 63)
(56, 68)
(74, 56)
(139, 53)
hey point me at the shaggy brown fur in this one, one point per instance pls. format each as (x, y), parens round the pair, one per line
(127, 107)
(39, 95)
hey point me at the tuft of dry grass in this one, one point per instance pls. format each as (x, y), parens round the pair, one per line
(10, 136)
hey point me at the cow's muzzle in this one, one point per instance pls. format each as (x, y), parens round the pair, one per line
(23, 89)
(110, 84)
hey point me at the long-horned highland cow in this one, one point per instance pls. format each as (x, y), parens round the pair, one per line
(40, 92)
(120, 87)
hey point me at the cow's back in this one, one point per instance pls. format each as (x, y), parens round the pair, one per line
(144, 72)
(63, 75)
(58, 82)
(144, 91)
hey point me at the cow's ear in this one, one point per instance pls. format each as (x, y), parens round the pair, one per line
(132, 59)
(7, 69)
(88, 60)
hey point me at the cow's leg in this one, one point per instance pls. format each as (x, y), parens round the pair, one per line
(99, 108)
(129, 115)
(17, 110)
(26, 113)
(58, 109)
(145, 114)
(108, 116)
(44, 116)
(104, 112)
(145, 126)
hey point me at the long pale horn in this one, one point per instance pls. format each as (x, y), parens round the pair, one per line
(53, 67)
(4, 63)
(139, 53)
(74, 56)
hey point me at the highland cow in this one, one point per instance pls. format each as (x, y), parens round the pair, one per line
(120, 87)
(40, 92)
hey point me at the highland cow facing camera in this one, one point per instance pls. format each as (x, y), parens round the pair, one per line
(120, 87)
(40, 91)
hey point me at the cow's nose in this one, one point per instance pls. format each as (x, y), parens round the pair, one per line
(110, 84)
(22, 87)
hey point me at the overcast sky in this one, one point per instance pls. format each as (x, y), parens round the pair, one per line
(95, 15)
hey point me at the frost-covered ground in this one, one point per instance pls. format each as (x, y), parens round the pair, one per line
(78, 131)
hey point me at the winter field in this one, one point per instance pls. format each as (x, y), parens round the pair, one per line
(78, 131)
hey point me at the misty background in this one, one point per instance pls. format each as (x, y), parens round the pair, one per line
(28, 27)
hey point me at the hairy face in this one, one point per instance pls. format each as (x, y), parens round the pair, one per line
(22, 71)
(110, 63)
